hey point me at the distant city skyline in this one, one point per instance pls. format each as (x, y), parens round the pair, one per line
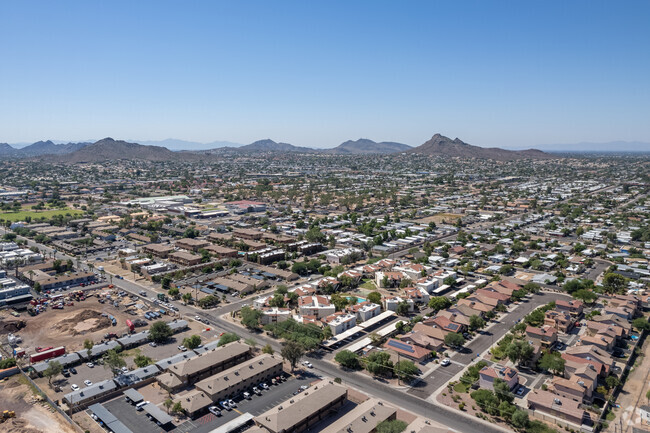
(495, 74)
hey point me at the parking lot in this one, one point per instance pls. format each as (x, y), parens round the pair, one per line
(138, 421)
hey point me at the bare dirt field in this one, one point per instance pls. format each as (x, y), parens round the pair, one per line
(448, 218)
(68, 327)
(32, 415)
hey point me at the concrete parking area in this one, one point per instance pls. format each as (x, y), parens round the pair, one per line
(139, 422)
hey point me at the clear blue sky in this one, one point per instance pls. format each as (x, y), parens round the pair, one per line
(494, 73)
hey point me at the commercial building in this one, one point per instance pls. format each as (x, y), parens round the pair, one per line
(232, 382)
(190, 371)
(304, 410)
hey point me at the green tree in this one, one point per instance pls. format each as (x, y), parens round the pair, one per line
(612, 382)
(476, 322)
(192, 342)
(439, 303)
(168, 404)
(614, 283)
(267, 349)
(486, 400)
(379, 363)
(226, 338)
(406, 370)
(391, 426)
(519, 351)
(174, 292)
(88, 345)
(250, 317)
(506, 410)
(374, 297)
(142, 361)
(502, 390)
(114, 361)
(520, 419)
(160, 332)
(454, 340)
(292, 352)
(54, 368)
(347, 359)
(177, 408)
(587, 296)
(552, 362)
(641, 324)
(403, 308)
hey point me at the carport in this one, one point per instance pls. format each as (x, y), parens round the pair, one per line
(158, 415)
(133, 395)
(109, 420)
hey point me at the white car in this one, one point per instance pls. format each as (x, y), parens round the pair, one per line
(214, 410)
(87, 382)
(264, 386)
(247, 395)
(153, 344)
(232, 403)
(224, 404)
(125, 370)
(445, 362)
(90, 364)
(74, 386)
(308, 364)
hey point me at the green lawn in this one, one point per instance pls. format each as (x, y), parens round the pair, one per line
(368, 284)
(21, 215)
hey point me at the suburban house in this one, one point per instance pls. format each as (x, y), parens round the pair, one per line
(546, 336)
(573, 307)
(560, 320)
(488, 374)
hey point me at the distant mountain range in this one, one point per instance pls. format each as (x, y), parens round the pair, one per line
(608, 147)
(365, 146)
(39, 148)
(439, 145)
(109, 149)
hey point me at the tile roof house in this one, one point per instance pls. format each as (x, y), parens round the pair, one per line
(411, 351)
(479, 307)
(602, 341)
(560, 320)
(423, 340)
(546, 336)
(573, 389)
(560, 407)
(572, 307)
(594, 328)
(488, 374)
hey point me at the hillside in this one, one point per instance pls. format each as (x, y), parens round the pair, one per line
(7, 151)
(365, 146)
(439, 145)
(269, 145)
(49, 148)
(112, 150)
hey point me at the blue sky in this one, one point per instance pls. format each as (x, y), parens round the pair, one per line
(494, 73)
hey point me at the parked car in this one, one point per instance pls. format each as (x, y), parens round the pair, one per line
(153, 344)
(90, 364)
(247, 395)
(264, 386)
(224, 404)
(87, 382)
(66, 373)
(125, 370)
(214, 410)
(182, 348)
(520, 390)
(257, 391)
(73, 370)
(74, 387)
(445, 362)
(232, 403)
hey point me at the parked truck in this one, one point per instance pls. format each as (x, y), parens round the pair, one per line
(47, 354)
(163, 297)
(130, 325)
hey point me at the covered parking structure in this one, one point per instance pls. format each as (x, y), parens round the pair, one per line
(160, 417)
(110, 421)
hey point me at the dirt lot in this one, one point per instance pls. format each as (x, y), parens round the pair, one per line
(32, 415)
(68, 327)
(449, 218)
